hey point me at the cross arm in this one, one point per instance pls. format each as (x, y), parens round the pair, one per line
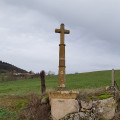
(57, 30)
(66, 31)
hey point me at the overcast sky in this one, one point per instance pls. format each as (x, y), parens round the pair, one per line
(28, 39)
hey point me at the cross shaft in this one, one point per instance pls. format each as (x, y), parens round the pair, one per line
(61, 74)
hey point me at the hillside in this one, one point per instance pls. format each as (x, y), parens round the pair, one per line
(6, 67)
(79, 81)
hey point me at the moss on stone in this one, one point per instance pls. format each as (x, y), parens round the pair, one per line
(101, 96)
(95, 95)
(105, 96)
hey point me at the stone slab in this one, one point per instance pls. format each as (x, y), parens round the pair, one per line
(62, 107)
(86, 104)
(106, 108)
(63, 94)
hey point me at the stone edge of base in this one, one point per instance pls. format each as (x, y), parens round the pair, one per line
(63, 94)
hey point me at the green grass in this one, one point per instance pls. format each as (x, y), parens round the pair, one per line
(91, 80)
(7, 114)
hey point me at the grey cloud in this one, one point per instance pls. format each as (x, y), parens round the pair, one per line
(27, 33)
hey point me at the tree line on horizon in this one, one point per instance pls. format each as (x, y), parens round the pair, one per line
(6, 67)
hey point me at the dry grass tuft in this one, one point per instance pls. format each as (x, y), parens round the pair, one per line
(35, 110)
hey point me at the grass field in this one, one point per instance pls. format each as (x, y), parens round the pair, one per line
(14, 94)
(91, 80)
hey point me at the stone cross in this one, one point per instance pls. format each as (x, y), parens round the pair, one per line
(61, 74)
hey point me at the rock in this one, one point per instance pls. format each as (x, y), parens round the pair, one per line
(107, 88)
(105, 108)
(62, 107)
(82, 110)
(82, 114)
(90, 118)
(44, 100)
(66, 117)
(70, 119)
(76, 117)
(72, 115)
(86, 104)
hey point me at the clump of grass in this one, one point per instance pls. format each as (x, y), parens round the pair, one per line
(34, 110)
(7, 114)
(20, 104)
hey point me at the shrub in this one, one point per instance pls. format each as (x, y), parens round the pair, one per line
(34, 110)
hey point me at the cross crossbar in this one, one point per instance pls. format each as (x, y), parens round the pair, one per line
(59, 31)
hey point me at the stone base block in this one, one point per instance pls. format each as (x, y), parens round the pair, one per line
(63, 103)
(62, 107)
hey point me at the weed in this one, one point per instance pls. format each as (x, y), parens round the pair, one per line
(34, 110)
(6, 114)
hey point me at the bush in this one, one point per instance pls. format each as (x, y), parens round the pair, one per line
(34, 110)
(10, 77)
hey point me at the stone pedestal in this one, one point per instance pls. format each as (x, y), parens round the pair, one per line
(63, 103)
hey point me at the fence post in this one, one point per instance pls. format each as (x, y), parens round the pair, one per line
(113, 79)
(43, 87)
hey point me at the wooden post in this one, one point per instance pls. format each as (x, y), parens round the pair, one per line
(43, 87)
(113, 79)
